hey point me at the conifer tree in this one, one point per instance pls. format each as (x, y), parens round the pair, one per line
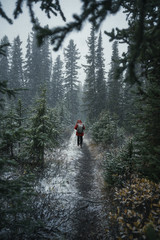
(28, 72)
(37, 130)
(16, 78)
(115, 91)
(43, 130)
(148, 117)
(46, 64)
(100, 77)
(130, 103)
(12, 131)
(72, 56)
(38, 65)
(4, 61)
(56, 85)
(35, 70)
(4, 68)
(82, 114)
(90, 92)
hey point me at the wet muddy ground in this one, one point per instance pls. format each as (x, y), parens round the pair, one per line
(73, 191)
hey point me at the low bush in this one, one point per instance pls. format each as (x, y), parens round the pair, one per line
(137, 210)
(106, 130)
(119, 164)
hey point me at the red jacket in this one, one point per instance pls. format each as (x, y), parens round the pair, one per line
(79, 134)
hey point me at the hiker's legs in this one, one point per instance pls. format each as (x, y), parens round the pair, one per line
(78, 140)
(81, 140)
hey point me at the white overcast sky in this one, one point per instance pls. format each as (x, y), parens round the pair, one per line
(23, 27)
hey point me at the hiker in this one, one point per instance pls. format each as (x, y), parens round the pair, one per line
(80, 132)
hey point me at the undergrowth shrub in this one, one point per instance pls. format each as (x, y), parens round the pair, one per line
(119, 164)
(16, 206)
(137, 210)
(106, 130)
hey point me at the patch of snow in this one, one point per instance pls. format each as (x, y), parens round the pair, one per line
(64, 180)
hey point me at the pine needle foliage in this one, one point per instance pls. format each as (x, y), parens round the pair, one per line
(15, 205)
(106, 131)
(43, 131)
(119, 165)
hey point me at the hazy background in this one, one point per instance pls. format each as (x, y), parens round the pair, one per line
(22, 27)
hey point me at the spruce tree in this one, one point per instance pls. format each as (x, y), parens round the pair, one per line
(16, 77)
(35, 69)
(43, 131)
(12, 131)
(38, 65)
(15, 188)
(129, 107)
(148, 118)
(56, 84)
(143, 38)
(115, 97)
(4, 68)
(37, 130)
(28, 73)
(46, 64)
(100, 77)
(81, 114)
(90, 93)
(71, 81)
(4, 60)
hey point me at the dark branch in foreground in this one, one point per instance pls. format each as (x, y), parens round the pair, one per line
(93, 11)
(3, 15)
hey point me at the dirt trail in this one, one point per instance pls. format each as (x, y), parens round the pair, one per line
(75, 195)
(89, 212)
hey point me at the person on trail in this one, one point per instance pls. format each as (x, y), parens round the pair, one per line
(80, 132)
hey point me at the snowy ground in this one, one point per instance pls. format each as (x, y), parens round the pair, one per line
(74, 194)
(67, 159)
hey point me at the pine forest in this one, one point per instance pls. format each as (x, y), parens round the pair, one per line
(107, 188)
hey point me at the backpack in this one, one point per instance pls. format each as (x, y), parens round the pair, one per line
(80, 128)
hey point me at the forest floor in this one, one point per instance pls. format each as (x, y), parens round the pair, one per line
(74, 188)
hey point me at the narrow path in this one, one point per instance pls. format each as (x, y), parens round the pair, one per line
(74, 196)
(89, 210)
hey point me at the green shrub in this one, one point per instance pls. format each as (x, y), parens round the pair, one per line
(106, 130)
(119, 164)
(136, 210)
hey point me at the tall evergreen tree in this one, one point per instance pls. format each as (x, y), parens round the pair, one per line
(90, 93)
(143, 37)
(28, 72)
(149, 100)
(82, 114)
(12, 131)
(129, 106)
(100, 77)
(130, 101)
(72, 56)
(38, 65)
(56, 85)
(4, 68)
(16, 78)
(46, 64)
(4, 61)
(115, 97)
(35, 71)
(43, 131)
